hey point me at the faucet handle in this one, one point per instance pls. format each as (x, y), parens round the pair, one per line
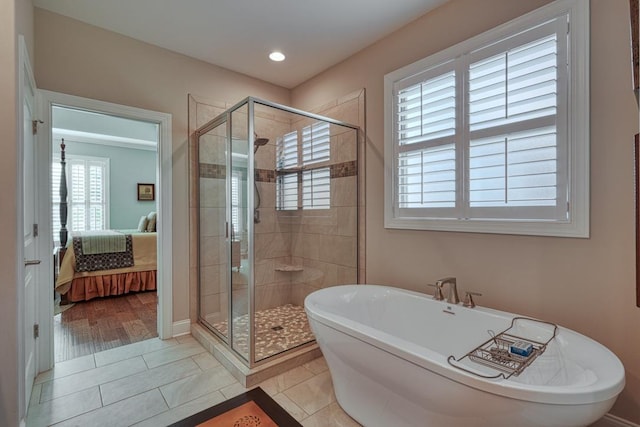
(468, 298)
(437, 294)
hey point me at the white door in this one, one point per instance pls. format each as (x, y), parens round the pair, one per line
(29, 198)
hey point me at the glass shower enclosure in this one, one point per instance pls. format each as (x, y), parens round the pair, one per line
(277, 219)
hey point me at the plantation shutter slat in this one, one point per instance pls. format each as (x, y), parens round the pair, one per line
(518, 84)
(287, 150)
(87, 193)
(287, 192)
(426, 110)
(427, 178)
(56, 170)
(235, 203)
(315, 143)
(316, 193)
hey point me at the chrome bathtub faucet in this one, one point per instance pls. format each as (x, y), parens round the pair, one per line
(452, 295)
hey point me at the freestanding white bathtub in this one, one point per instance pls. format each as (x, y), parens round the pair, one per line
(387, 352)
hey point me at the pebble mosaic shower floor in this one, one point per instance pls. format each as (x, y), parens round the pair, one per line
(277, 329)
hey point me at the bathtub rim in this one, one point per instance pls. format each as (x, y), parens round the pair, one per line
(602, 390)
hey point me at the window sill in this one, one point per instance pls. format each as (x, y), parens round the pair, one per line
(575, 229)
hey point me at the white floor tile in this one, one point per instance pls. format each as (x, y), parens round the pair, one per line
(287, 404)
(54, 411)
(68, 367)
(156, 383)
(286, 380)
(332, 415)
(233, 390)
(183, 411)
(313, 394)
(147, 380)
(132, 350)
(186, 389)
(123, 413)
(171, 354)
(206, 361)
(317, 366)
(91, 378)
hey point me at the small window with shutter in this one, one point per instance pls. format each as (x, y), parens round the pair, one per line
(303, 180)
(87, 193)
(491, 135)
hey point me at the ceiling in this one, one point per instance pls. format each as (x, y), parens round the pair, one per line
(90, 127)
(239, 34)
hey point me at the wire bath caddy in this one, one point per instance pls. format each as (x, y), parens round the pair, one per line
(495, 352)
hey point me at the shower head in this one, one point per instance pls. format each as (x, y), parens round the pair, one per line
(259, 142)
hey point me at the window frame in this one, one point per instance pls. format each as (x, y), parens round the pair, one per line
(577, 129)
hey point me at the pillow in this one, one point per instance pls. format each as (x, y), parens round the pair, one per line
(142, 224)
(151, 222)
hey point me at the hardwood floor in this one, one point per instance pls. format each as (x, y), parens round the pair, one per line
(103, 323)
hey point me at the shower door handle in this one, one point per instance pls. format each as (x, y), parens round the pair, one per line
(226, 229)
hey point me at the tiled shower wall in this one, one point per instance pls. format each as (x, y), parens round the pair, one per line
(325, 241)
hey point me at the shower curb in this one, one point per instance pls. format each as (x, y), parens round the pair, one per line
(251, 377)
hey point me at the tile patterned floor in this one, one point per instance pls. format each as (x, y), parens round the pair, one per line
(277, 329)
(155, 383)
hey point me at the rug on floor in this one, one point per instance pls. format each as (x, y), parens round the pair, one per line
(251, 409)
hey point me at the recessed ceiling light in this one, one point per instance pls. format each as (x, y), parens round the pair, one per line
(276, 56)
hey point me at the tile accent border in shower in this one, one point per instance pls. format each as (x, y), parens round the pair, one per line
(339, 170)
(265, 175)
(344, 169)
(210, 170)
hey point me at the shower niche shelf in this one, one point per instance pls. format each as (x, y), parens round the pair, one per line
(495, 352)
(289, 268)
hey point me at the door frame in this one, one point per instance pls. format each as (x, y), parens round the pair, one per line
(164, 196)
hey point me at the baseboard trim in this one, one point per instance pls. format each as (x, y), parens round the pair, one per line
(182, 327)
(614, 421)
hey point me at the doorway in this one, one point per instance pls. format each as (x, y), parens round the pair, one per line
(107, 298)
(106, 148)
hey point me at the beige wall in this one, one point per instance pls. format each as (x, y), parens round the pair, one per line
(584, 284)
(82, 60)
(8, 217)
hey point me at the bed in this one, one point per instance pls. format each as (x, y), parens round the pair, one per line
(82, 280)
(105, 262)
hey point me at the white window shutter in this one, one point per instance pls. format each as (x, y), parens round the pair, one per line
(87, 193)
(491, 135)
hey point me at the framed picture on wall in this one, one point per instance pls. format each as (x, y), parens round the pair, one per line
(146, 192)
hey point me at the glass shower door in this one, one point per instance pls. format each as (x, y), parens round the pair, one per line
(239, 229)
(213, 267)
